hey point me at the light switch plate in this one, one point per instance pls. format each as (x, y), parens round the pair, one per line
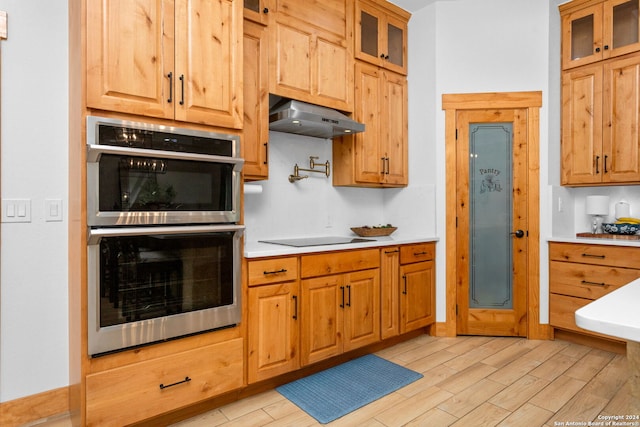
(16, 210)
(53, 210)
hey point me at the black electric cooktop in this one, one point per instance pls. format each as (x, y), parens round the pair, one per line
(316, 241)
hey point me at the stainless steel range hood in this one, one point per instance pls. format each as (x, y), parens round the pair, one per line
(291, 116)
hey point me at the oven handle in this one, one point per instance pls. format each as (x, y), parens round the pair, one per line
(95, 151)
(95, 234)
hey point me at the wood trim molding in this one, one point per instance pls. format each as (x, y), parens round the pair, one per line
(532, 101)
(35, 407)
(3, 25)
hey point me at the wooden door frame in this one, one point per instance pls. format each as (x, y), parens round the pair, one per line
(531, 101)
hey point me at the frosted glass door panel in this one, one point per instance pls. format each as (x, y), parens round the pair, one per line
(396, 42)
(252, 5)
(625, 24)
(582, 35)
(369, 34)
(490, 221)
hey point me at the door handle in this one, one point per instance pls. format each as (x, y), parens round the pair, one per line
(518, 233)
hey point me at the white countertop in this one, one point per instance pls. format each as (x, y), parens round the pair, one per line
(616, 314)
(253, 249)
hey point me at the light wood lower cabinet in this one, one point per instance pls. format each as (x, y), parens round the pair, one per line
(138, 391)
(273, 317)
(306, 308)
(389, 292)
(417, 282)
(340, 312)
(581, 273)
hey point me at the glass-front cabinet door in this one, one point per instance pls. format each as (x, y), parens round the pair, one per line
(600, 31)
(256, 10)
(381, 36)
(622, 27)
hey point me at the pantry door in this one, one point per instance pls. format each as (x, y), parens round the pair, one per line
(492, 222)
(522, 110)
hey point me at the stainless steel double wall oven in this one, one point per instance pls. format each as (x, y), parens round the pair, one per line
(164, 243)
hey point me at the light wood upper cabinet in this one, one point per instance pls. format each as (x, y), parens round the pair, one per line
(593, 31)
(311, 52)
(171, 59)
(377, 157)
(601, 123)
(381, 35)
(257, 11)
(255, 133)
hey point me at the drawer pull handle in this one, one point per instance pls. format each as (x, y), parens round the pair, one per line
(404, 291)
(392, 252)
(593, 256)
(185, 380)
(282, 270)
(419, 253)
(586, 282)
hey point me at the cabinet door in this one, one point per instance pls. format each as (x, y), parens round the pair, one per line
(208, 71)
(323, 299)
(389, 292)
(130, 53)
(582, 34)
(256, 102)
(621, 27)
(361, 309)
(395, 32)
(395, 116)
(273, 330)
(381, 37)
(582, 158)
(305, 60)
(621, 138)
(370, 160)
(417, 301)
(257, 11)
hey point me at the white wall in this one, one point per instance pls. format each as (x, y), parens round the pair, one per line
(470, 46)
(34, 137)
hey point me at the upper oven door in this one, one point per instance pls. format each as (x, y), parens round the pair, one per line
(135, 177)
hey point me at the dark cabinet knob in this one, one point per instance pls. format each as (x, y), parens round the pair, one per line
(597, 50)
(606, 47)
(265, 10)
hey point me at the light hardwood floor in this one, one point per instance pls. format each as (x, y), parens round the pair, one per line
(468, 381)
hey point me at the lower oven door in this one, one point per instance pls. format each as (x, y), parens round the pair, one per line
(149, 284)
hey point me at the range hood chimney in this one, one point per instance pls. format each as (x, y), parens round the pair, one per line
(291, 116)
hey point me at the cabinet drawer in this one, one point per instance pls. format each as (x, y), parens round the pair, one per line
(142, 390)
(587, 281)
(618, 256)
(417, 253)
(273, 270)
(562, 313)
(339, 262)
